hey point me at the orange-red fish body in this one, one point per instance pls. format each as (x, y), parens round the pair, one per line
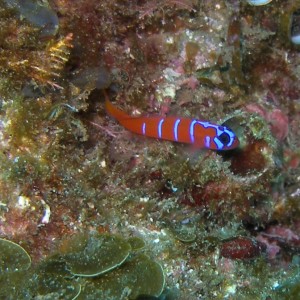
(202, 134)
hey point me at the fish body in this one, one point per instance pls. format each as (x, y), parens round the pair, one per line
(202, 134)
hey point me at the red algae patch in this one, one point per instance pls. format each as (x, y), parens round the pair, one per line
(242, 248)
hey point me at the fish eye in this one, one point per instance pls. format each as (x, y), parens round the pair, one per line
(224, 138)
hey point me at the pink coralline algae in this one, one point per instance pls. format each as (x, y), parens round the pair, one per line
(278, 240)
(279, 124)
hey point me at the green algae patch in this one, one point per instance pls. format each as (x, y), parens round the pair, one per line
(14, 265)
(101, 254)
(86, 267)
(13, 258)
(136, 243)
(55, 287)
(12, 285)
(52, 280)
(138, 276)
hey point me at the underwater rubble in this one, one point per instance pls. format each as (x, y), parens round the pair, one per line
(91, 210)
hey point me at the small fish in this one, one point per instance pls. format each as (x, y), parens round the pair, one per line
(202, 134)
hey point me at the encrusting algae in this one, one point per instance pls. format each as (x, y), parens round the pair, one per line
(90, 210)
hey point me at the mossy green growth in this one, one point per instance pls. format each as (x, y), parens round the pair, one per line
(13, 258)
(100, 254)
(137, 276)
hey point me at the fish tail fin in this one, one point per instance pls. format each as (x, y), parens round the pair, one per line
(113, 110)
